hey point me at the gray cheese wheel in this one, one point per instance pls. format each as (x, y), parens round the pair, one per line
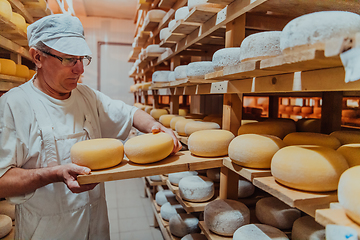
(259, 232)
(196, 188)
(164, 196)
(168, 210)
(306, 228)
(194, 236)
(175, 178)
(183, 224)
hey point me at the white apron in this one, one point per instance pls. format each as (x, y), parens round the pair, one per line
(53, 211)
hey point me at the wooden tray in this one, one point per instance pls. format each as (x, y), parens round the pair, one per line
(210, 235)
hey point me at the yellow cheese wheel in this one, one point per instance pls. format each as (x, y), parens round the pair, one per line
(254, 150)
(31, 73)
(97, 153)
(7, 209)
(5, 225)
(346, 137)
(308, 138)
(5, 9)
(156, 113)
(308, 125)
(140, 106)
(194, 126)
(149, 148)
(182, 112)
(8, 67)
(165, 119)
(148, 109)
(349, 193)
(275, 128)
(351, 152)
(180, 126)
(210, 143)
(22, 71)
(287, 124)
(19, 21)
(174, 120)
(308, 167)
(41, 4)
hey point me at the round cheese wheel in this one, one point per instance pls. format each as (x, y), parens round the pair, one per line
(196, 188)
(165, 119)
(351, 152)
(199, 69)
(174, 121)
(312, 30)
(194, 126)
(287, 124)
(19, 21)
(5, 9)
(183, 112)
(181, 13)
(296, 109)
(165, 196)
(306, 228)
(171, 24)
(160, 76)
(156, 178)
(336, 232)
(149, 148)
(8, 67)
(180, 126)
(267, 127)
(5, 225)
(260, 46)
(171, 76)
(259, 232)
(349, 192)
(157, 113)
(148, 109)
(308, 138)
(273, 212)
(226, 57)
(308, 168)
(97, 153)
(349, 113)
(225, 216)
(308, 125)
(170, 209)
(7, 209)
(346, 137)
(139, 105)
(245, 189)
(155, 48)
(210, 143)
(183, 224)
(194, 236)
(164, 33)
(180, 72)
(174, 178)
(317, 110)
(213, 174)
(155, 14)
(254, 150)
(307, 110)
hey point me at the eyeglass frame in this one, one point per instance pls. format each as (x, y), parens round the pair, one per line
(77, 59)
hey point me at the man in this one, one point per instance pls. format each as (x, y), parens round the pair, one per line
(41, 120)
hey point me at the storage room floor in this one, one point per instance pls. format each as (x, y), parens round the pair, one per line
(130, 212)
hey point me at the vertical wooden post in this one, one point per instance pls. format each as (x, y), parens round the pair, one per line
(174, 62)
(15, 57)
(331, 112)
(156, 99)
(235, 32)
(229, 182)
(232, 112)
(174, 102)
(273, 106)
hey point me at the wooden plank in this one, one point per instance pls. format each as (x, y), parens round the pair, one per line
(191, 207)
(184, 27)
(200, 14)
(6, 86)
(225, 2)
(166, 4)
(13, 47)
(156, 183)
(228, 184)
(232, 112)
(307, 202)
(172, 188)
(266, 22)
(175, 37)
(247, 173)
(335, 216)
(210, 235)
(181, 161)
(13, 79)
(156, 85)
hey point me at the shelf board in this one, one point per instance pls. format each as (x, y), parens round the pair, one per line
(201, 14)
(179, 162)
(11, 31)
(220, 1)
(150, 25)
(183, 27)
(19, 7)
(6, 86)
(166, 4)
(247, 173)
(307, 202)
(173, 188)
(133, 55)
(156, 183)
(13, 47)
(210, 235)
(191, 207)
(13, 79)
(335, 216)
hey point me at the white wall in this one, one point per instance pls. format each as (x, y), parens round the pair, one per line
(114, 66)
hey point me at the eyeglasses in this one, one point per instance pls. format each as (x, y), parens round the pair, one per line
(70, 62)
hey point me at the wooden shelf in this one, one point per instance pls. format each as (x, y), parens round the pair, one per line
(307, 202)
(156, 183)
(191, 207)
(180, 162)
(11, 31)
(13, 47)
(19, 7)
(210, 235)
(247, 173)
(173, 188)
(12, 79)
(181, 83)
(201, 14)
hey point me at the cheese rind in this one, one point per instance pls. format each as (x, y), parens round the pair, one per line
(174, 120)
(155, 48)
(308, 125)
(8, 67)
(164, 33)
(351, 152)
(245, 188)
(160, 76)
(180, 126)
(175, 178)
(170, 209)
(166, 119)
(5, 9)
(267, 127)
(306, 228)
(5, 225)
(213, 174)
(196, 188)
(308, 138)
(199, 69)
(259, 232)
(171, 24)
(155, 15)
(157, 113)
(180, 72)
(194, 236)
(19, 21)
(308, 167)
(226, 57)
(346, 137)
(97, 153)
(165, 196)
(183, 224)
(181, 13)
(194, 126)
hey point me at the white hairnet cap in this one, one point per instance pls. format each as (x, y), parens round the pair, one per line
(61, 32)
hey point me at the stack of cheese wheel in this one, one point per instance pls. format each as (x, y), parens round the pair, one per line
(180, 72)
(7, 209)
(149, 148)
(164, 196)
(349, 192)
(194, 236)
(197, 70)
(157, 113)
(194, 126)
(170, 209)
(8, 67)
(97, 153)
(254, 150)
(196, 188)
(260, 46)
(166, 119)
(160, 76)
(174, 178)
(307, 228)
(5, 225)
(226, 57)
(155, 48)
(155, 15)
(5, 9)
(308, 125)
(259, 232)
(312, 30)
(174, 120)
(245, 188)
(225, 216)
(19, 21)
(180, 126)
(164, 33)
(210, 143)
(308, 138)
(183, 224)
(346, 137)
(351, 153)
(267, 127)
(308, 167)
(181, 13)
(273, 212)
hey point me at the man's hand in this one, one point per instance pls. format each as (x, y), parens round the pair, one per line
(160, 128)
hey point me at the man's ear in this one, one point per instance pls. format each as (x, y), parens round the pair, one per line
(36, 56)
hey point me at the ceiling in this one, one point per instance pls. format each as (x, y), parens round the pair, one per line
(119, 9)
